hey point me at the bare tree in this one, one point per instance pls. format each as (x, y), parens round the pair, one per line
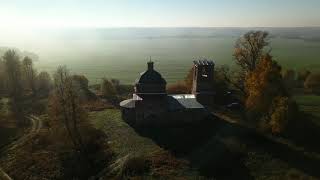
(2, 77)
(44, 82)
(68, 105)
(249, 49)
(233, 78)
(13, 73)
(29, 73)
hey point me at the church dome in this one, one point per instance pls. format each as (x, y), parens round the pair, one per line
(150, 76)
(150, 81)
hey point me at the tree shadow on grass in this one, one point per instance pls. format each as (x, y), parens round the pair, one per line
(202, 144)
(305, 131)
(197, 142)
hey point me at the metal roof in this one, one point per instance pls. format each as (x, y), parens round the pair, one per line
(180, 102)
(175, 102)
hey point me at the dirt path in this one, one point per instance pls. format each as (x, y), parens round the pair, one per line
(35, 128)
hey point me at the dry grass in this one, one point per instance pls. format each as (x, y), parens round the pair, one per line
(50, 155)
(136, 156)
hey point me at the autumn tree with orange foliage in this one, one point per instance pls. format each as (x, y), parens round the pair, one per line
(188, 81)
(267, 102)
(248, 51)
(262, 84)
(178, 88)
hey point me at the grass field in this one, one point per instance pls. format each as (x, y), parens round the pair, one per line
(310, 104)
(230, 146)
(8, 130)
(123, 138)
(125, 141)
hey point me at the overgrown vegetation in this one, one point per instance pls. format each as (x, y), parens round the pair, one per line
(68, 146)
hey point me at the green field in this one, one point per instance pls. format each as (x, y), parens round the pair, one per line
(123, 139)
(310, 104)
(125, 59)
(122, 53)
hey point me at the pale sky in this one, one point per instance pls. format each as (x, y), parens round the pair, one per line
(158, 13)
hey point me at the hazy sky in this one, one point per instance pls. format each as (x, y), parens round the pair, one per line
(159, 13)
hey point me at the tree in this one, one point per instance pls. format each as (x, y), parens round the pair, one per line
(268, 104)
(289, 78)
(249, 49)
(115, 83)
(29, 74)
(189, 80)
(302, 76)
(312, 83)
(81, 81)
(13, 73)
(2, 77)
(44, 82)
(108, 90)
(262, 85)
(65, 106)
(178, 88)
(283, 110)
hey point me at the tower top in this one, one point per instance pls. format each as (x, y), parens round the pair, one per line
(203, 62)
(150, 65)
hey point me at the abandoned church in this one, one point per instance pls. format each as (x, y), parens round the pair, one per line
(151, 105)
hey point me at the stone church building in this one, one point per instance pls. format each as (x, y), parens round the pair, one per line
(152, 106)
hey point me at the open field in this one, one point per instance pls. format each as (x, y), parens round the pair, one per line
(173, 56)
(310, 104)
(122, 52)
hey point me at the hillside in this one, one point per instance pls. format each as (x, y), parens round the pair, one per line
(218, 149)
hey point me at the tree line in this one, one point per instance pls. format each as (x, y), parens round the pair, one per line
(19, 77)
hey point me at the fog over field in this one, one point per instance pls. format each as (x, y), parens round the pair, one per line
(122, 52)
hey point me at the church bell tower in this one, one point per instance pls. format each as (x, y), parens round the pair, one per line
(202, 86)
